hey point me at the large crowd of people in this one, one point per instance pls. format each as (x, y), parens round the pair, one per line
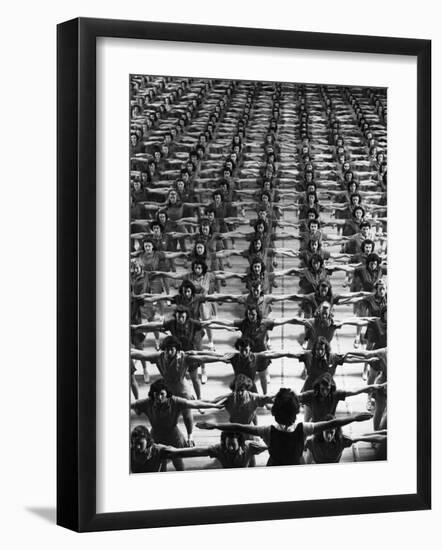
(255, 207)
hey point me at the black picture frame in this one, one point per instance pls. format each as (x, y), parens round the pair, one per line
(76, 273)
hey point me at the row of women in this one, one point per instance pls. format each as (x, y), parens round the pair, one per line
(258, 195)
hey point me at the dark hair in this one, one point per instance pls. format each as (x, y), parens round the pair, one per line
(316, 258)
(201, 263)
(236, 435)
(141, 432)
(321, 340)
(367, 241)
(325, 282)
(156, 223)
(325, 379)
(187, 284)
(358, 208)
(309, 223)
(364, 224)
(285, 407)
(243, 343)
(158, 386)
(372, 258)
(170, 342)
(310, 241)
(182, 309)
(257, 260)
(252, 245)
(253, 308)
(154, 246)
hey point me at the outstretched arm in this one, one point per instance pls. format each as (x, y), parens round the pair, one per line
(365, 389)
(282, 297)
(339, 422)
(146, 327)
(144, 355)
(228, 427)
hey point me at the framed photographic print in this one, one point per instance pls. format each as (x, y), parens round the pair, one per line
(235, 209)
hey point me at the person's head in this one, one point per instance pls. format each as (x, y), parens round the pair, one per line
(217, 198)
(241, 386)
(331, 434)
(255, 245)
(205, 227)
(140, 439)
(285, 407)
(324, 385)
(172, 197)
(265, 197)
(257, 266)
(256, 289)
(181, 315)
(313, 245)
(367, 247)
(244, 346)
(364, 229)
(187, 289)
(199, 267)
(308, 176)
(372, 262)
(313, 226)
(348, 176)
(380, 157)
(135, 268)
(352, 187)
(324, 312)
(148, 246)
(180, 185)
(170, 346)
(321, 348)
(232, 441)
(133, 139)
(260, 227)
(158, 391)
(380, 289)
(316, 262)
(355, 199)
(324, 288)
(312, 199)
(262, 214)
(253, 314)
(358, 213)
(200, 249)
(311, 188)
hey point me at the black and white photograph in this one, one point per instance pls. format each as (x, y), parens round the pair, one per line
(258, 273)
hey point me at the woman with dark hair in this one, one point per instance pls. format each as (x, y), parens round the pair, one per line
(286, 439)
(328, 445)
(323, 398)
(233, 451)
(254, 328)
(324, 293)
(173, 365)
(323, 324)
(319, 359)
(163, 409)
